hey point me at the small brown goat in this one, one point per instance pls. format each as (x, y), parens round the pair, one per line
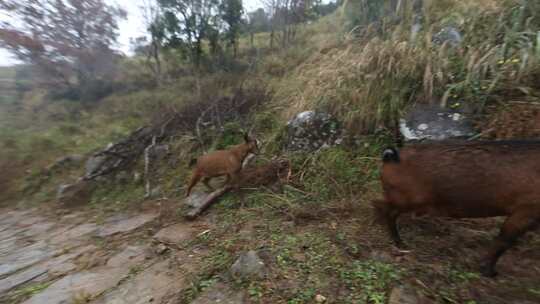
(465, 180)
(222, 162)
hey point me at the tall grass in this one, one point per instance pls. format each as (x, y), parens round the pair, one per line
(377, 72)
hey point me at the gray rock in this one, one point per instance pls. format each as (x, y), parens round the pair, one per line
(221, 293)
(7, 245)
(248, 266)
(93, 164)
(74, 234)
(38, 229)
(11, 217)
(75, 194)
(131, 254)
(406, 294)
(25, 256)
(196, 199)
(175, 234)
(448, 34)
(122, 224)
(153, 285)
(435, 123)
(88, 283)
(312, 130)
(51, 268)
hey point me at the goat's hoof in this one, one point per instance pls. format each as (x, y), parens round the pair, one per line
(401, 246)
(488, 271)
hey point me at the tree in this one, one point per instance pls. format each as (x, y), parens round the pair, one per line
(285, 15)
(155, 26)
(68, 40)
(187, 24)
(257, 22)
(231, 14)
(272, 7)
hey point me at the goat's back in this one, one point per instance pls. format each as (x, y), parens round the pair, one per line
(218, 163)
(478, 179)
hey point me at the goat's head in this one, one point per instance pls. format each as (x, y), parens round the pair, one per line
(252, 144)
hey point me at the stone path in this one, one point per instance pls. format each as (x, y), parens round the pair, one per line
(73, 259)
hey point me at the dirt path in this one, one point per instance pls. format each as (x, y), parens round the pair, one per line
(76, 259)
(157, 257)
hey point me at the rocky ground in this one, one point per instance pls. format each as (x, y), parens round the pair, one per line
(78, 258)
(258, 253)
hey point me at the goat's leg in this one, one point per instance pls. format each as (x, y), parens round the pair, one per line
(206, 182)
(194, 180)
(387, 215)
(227, 180)
(515, 226)
(391, 220)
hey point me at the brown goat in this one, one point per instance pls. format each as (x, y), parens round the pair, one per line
(222, 163)
(465, 180)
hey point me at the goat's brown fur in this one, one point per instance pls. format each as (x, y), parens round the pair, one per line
(222, 163)
(465, 180)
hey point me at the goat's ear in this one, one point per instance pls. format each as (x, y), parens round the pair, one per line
(246, 137)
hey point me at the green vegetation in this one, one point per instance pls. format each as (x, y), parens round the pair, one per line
(365, 77)
(371, 279)
(28, 291)
(370, 78)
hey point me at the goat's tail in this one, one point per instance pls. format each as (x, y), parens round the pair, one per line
(390, 155)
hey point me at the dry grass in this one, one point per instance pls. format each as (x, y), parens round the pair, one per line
(516, 120)
(369, 77)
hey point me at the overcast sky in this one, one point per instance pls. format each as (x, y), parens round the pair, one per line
(132, 27)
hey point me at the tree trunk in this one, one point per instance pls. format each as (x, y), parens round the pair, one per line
(156, 68)
(418, 19)
(198, 52)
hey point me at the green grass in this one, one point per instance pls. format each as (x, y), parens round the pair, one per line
(462, 276)
(28, 291)
(535, 291)
(370, 280)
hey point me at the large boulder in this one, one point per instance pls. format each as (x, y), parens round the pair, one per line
(94, 163)
(310, 130)
(436, 123)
